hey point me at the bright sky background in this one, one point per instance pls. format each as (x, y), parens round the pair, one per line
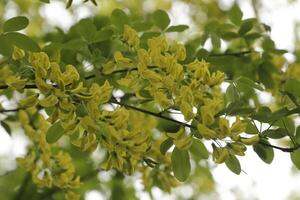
(262, 181)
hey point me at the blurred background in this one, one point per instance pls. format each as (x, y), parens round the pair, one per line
(258, 180)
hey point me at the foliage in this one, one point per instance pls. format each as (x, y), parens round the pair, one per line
(118, 85)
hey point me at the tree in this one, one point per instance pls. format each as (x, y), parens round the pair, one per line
(145, 95)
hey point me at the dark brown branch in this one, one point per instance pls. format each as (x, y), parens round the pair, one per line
(231, 54)
(284, 149)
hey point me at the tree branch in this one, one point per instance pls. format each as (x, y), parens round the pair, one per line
(292, 149)
(231, 54)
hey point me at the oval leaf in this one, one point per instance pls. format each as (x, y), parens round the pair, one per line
(233, 164)
(119, 18)
(54, 133)
(177, 28)
(166, 145)
(198, 149)
(161, 19)
(295, 157)
(15, 24)
(6, 47)
(265, 153)
(22, 41)
(181, 164)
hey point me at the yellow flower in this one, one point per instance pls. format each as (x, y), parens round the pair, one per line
(120, 59)
(162, 99)
(206, 132)
(131, 36)
(18, 53)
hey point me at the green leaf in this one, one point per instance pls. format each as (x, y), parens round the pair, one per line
(101, 36)
(6, 47)
(148, 35)
(286, 123)
(54, 133)
(166, 145)
(265, 153)
(229, 35)
(198, 149)
(233, 164)
(292, 86)
(15, 24)
(86, 29)
(22, 41)
(295, 157)
(74, 44)
(119, 18)
(6, 127)
(181, 164)
(231, 94)
(161, 19)
(297, 136)
(45, 1)
(251, 128)
(142, 26)
(275, 133)
(235, 14)
(246, 26)
(177, 28)
(252, 36)
(249, 83)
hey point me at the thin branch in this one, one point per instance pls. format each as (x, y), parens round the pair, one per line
(292, 149)
(153, 114)
(231, 54)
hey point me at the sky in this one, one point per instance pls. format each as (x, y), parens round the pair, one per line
(259, 180)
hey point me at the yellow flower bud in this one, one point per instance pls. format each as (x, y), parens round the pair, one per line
(18, 53)
(250, 141)
(206, 132)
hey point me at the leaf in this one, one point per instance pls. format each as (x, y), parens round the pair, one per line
(251, 128)
(246, 26)
(6, 47)
(119, 18)
(148, 35)
(229, 35)
(231, 94)
(74, 44)
(249, 83)
(45, 1)
(54, 133)
(235, 14)
(22, 41)
(198, 149)
(265, 153)
(102, 36)
(177, 28)
(297, 136)
(142, 26)
(233, 164)
(86, 29)
(166, 145)
(295, 157)
(161, 19)
(275, 133)
(6, 127)
(292, 86)
(15, 24)
(181, 164)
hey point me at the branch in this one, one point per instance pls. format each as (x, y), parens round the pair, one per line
(153, 114)
(231, 54)
(292, 149)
